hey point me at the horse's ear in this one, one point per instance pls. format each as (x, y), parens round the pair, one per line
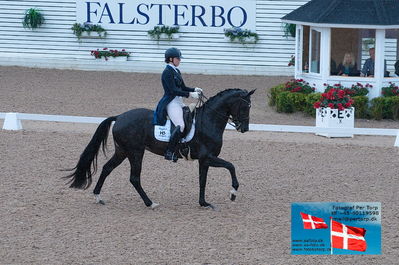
(251, 92)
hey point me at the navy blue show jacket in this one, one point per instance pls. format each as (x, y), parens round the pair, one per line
(173, 85)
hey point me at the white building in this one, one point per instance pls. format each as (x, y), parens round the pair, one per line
(202, 41)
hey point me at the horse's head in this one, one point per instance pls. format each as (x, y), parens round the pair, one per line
(239, 111)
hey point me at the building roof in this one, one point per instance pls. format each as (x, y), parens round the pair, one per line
(352, 12)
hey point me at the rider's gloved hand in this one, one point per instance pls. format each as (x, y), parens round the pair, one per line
(198, 89)
(194, 94)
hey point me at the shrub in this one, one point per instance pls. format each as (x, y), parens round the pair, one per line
(289, 102)
(359, 90)
(274, 91)
(360, 103)
(299, 86)
(385, 108)
(311, 99)
(390, 91)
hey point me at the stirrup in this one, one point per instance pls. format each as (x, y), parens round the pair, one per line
(169, 155)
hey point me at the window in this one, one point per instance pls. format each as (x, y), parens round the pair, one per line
(392, 52)
(305, 49)
(350, 49)
(315, 52)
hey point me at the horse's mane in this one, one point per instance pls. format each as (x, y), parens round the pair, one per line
(222, 94)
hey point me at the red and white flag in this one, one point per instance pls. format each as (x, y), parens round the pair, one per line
(347, 237)
(312, 222)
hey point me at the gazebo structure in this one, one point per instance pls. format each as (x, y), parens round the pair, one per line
(328, 31)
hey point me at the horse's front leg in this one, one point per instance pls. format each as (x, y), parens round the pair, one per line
(218, 162)
(203, 174)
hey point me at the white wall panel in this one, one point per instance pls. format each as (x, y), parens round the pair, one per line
(206, 52)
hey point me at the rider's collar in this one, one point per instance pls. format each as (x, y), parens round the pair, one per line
(174, 67)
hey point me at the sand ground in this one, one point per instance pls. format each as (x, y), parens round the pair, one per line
(44, 222)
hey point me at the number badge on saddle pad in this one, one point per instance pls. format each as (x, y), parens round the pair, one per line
(162, 133)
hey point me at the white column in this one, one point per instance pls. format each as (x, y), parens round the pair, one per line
(298, 50)
(325, 54)
(379, 62)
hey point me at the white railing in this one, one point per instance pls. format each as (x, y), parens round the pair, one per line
(12, 121)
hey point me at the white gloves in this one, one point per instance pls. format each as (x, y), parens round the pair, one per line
(194, 94)
(197, 89)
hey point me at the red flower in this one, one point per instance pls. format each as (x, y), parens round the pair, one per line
(317, 104)
(330, 105)
(347, 105)
(104, 49)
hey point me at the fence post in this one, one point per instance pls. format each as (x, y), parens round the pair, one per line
(397, 140)
(11, 122)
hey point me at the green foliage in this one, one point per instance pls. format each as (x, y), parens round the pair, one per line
(274, 91)
(243, 36)
(78, 29)
(157, 31)
(32, 19)
(299, 86)
(311, 99)
(390, 91)
(109, 53)
(361, 106)
(385, 108)
(289, 102)
(289, 30)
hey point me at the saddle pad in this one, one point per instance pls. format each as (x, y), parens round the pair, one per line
(162, 133)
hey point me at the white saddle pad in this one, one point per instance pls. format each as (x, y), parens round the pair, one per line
(162, 133)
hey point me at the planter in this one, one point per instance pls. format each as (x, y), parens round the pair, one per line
(92, 35)
(114, 59)
(248, 40)
(334, 118)
(165, 37)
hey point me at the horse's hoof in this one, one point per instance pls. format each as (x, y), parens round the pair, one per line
(99, 200)
(154, 205)
(233, 195)
(210, 206)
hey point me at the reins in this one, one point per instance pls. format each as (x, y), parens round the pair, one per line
(230, 120)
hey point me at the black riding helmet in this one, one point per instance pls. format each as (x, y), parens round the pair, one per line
(173, 53)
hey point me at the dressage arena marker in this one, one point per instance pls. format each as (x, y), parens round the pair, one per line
(12, 121)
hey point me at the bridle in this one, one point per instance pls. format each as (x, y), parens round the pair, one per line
(236, 123)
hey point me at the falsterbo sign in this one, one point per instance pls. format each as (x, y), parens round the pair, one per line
(195, 15)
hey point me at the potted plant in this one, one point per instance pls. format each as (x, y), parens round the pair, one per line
(390, 91)
(32, 19)
(289, 30)
(334, 110)
(113, 54)
(86, 30)
(164, 33)
(243, 36)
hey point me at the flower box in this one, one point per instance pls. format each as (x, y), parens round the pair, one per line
(166, 37)
(92, 35)
(335, 118)
(115, 59)
(248, 40)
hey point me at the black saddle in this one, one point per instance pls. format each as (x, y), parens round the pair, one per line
(188, 117)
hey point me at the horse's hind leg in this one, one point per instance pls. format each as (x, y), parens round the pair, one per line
(136, 159)
(115, 161)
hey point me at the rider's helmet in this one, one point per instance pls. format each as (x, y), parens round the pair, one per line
(173, 53)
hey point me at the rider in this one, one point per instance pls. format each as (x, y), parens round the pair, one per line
(171, 103)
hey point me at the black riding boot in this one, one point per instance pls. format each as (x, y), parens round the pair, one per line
(174, 140)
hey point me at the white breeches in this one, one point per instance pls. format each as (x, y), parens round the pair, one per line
(175, 112)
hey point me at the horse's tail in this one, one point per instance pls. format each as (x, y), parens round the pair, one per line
(87, 164)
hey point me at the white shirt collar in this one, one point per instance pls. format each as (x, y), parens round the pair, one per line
(174, 67)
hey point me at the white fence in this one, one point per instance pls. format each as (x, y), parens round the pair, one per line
(12, 121)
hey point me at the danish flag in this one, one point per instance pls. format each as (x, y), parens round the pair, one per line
(312, 222)
(347, 237)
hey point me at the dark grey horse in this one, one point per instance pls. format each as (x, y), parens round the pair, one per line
(133, 133)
